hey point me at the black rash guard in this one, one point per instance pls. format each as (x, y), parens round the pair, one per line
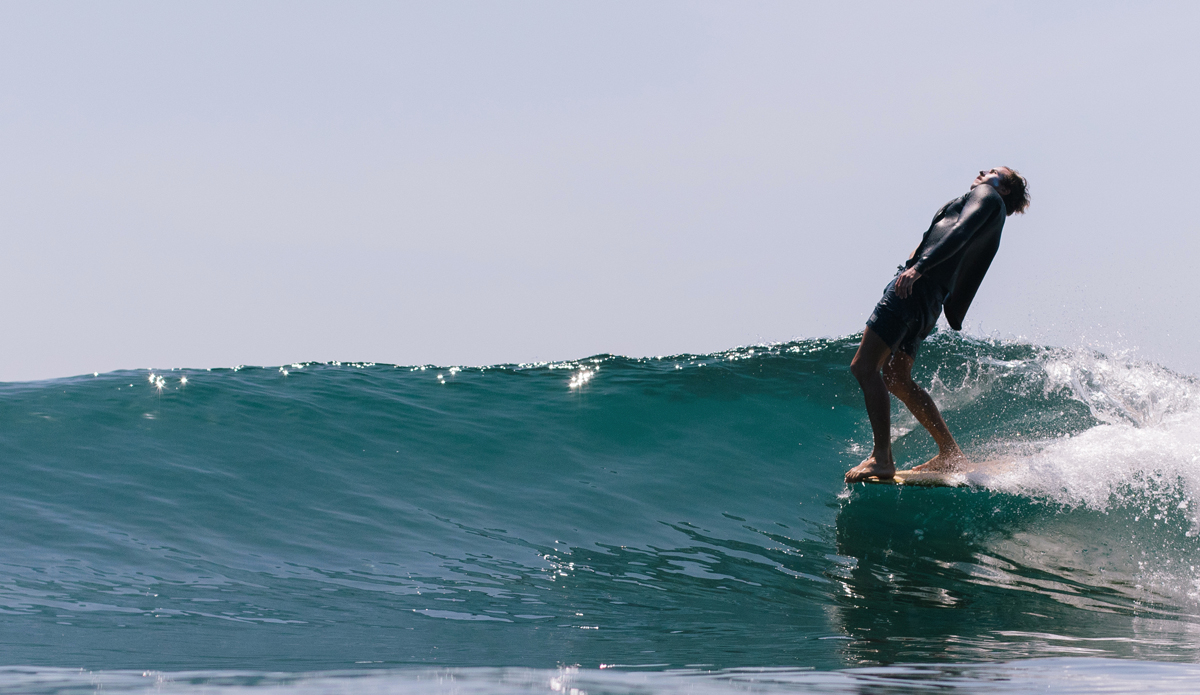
(958, 248)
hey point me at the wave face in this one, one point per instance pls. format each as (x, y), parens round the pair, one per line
(673, 512)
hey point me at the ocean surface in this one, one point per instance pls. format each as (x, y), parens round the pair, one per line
(660, 525)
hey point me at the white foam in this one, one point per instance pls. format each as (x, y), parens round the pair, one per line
(1114, 464)
(1139, 468)
(1145, 451)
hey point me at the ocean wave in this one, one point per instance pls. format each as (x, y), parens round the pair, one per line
(672, 510)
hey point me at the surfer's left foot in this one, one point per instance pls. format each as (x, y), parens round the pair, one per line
(944, 463)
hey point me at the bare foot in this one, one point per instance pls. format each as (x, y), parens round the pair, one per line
(871, 469)
(944, 463)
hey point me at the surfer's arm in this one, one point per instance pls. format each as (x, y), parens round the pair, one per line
(981, 205)
(908, 275)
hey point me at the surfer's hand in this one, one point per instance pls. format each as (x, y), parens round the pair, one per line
(905, 282)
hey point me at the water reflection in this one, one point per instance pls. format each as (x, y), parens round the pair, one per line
(966, 575)
(899, 576)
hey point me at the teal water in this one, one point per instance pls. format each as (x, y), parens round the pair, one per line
(678, 520)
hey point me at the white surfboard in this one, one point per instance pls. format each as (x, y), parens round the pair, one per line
(970, 474)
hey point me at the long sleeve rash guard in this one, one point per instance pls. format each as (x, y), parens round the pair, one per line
(958, 248)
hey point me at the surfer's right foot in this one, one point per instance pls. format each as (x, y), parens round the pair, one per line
(944, 463)
(871, 469)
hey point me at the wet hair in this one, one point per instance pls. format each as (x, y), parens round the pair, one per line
(1017, 198)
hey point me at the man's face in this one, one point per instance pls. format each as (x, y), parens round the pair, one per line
(992, 177)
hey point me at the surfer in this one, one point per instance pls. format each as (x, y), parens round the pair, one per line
(942, 274)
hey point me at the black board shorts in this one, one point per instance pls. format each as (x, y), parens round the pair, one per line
(904, 323)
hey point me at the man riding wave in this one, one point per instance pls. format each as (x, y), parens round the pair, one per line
(943, 274)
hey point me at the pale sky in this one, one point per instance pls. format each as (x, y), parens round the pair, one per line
(215, 184)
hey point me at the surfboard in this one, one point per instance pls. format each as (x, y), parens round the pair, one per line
(973, 474)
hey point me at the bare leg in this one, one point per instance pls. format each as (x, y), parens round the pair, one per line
(897, 374)
(870, 358)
